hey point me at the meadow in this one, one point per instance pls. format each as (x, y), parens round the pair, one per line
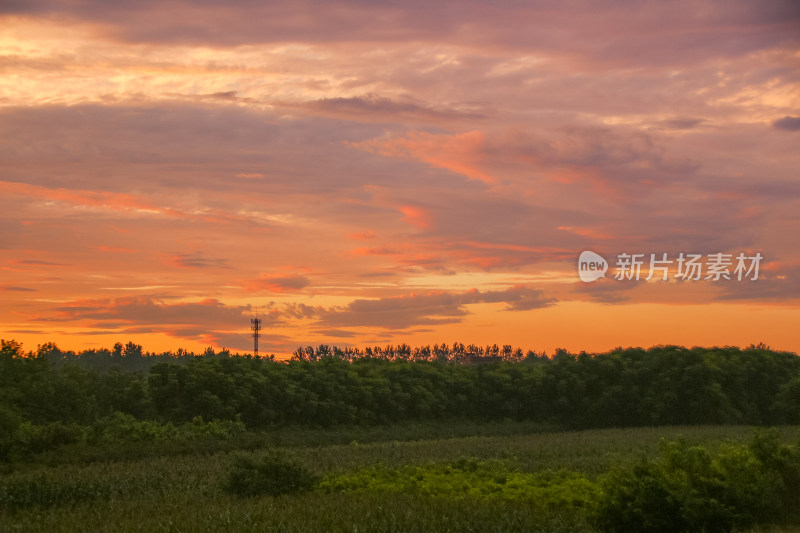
(507, 476)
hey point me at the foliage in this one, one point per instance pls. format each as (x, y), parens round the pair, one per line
(119, 430)
(689, 489)
(558, 472)
(471, 478)
(50, 399)
(272, 473)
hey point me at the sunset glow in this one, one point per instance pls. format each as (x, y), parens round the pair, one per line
(363, 173)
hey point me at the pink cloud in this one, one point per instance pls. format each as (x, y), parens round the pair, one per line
(416, 216)
(460, 153)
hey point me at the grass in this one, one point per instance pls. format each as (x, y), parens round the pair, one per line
(184, 492)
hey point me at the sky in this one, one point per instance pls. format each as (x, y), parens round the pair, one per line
(363, 173)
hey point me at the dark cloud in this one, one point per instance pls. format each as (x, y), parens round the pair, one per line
(35, 262)
(375, 108)
(198, 260)
(423, 309)
(18, 289)
(780, 282)
(682, 123)
(338, 333)
(615, 31)
(607, 290)
(517, 298)
(787, 123)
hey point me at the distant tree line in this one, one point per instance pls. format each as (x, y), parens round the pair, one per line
(443, 353)
(327, 386)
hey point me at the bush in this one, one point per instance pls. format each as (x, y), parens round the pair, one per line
(272, 474)
(216, 429)
(688, 489)
(29, 439)
(122, 427)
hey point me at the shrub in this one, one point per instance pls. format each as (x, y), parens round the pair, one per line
(122, 427)
(217, 429)
(272, 474)
(31, 438)
(688, 489)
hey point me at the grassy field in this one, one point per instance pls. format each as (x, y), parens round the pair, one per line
(534, 481)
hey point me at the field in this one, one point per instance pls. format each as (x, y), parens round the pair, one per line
(507, 476)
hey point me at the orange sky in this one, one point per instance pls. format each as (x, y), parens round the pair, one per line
(369, 173)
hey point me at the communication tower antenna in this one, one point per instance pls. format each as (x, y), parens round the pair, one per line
(255, 326)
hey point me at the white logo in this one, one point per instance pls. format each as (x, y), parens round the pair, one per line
(591, 266)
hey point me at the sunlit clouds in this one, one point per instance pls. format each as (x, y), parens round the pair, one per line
(360, 172)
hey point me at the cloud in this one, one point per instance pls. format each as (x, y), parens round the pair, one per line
(787, 123)
(776, 281)
(608, 31)
(393, 146)
(607, 291)
(34, 262)
(153, 146)
(144, 310)
(99, 200)
(197, 260)
(682, 123)
(433, 308)
(338, 333)
(276, 283)
(460, 153)
(605, 158)
(206, 322)
(416, 216)
(375, 108)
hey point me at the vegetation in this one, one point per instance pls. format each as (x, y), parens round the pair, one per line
(689, 489)
(399, 439)
(622, 388)
(534, 482)
(272, 473)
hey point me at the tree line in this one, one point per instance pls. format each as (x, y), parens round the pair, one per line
(327, 386)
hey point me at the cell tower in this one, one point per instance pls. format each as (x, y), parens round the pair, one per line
(255, 325)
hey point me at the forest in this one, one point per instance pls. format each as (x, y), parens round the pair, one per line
(49, 398)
